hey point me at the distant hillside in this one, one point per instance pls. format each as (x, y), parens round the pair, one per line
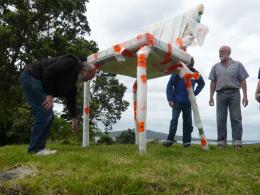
(150, 134)
(163, 136)
(156, 135)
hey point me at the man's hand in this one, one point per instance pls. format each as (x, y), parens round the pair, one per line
(48, 103)
(171, 103)
(244, 89)
(211, 101)
(74, 124)
(245, 101)
(212, 91)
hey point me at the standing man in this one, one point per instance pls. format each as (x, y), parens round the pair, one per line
(227, 77)
(178, 99)
(257, 91)
(48, 78)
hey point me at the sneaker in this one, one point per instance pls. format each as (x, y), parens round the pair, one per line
(167, 143)
(45, 152)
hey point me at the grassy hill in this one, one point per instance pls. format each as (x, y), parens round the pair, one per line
(119, 169)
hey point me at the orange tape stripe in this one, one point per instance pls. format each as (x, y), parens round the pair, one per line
(203, 141)
(167, 57)
(121, 50)
(169, 49)
(127, 53)
(188, 83)
(140, 126)
(144, 78)
(179, 41)
(150, 39)
(98, 66)
(87, 110)
(135, 107)
(187, 77)
(196, 75)
(173, 67)
(135, 87)
(188, 80)
(141, 60)
(118, 48)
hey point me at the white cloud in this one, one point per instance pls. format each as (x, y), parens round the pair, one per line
(230, 22)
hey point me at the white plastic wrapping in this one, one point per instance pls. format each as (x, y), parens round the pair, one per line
(142, 55)
(85, 137)
(165, 43)
(181, 31)
(195, 109)
(196, 115)
(197, 119)
(135, 109)
(121, 58)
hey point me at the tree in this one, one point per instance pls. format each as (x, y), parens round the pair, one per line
(105, 138)
(30, 30)
(106, 104)
(126, 137)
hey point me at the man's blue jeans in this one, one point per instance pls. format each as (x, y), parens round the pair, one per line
(187, 122)
(43, 118)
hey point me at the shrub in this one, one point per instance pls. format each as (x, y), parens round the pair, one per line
(126, 137)
(105, 139)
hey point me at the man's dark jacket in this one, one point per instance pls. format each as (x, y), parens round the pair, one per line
(58, 76)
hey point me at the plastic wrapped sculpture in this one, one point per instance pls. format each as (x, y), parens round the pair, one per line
(159, 51)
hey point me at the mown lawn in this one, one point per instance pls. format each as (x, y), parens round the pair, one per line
(119, 169)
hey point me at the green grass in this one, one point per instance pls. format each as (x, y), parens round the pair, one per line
(119, 169)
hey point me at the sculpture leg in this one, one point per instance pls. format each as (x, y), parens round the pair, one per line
(186, 74)
(85, 139)
(135, 107)
(142, 55)
(197, 119)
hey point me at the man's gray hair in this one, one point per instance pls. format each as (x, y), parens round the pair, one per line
(226, 47)
(87, 65)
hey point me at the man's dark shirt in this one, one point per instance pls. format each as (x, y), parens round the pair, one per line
(59, 76)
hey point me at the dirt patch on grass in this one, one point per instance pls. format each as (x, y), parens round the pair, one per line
(17, 172)
(8, 177)
(16, 189)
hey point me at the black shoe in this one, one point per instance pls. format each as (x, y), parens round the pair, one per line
(222, 146)
(187, 145)
(237, 147)
(167, 143)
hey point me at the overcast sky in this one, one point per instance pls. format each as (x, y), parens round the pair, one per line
(233, 23)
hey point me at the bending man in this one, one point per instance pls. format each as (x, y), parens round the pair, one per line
(48, 78)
